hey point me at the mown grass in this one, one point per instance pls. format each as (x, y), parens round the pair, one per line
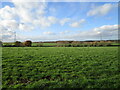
(60, 67)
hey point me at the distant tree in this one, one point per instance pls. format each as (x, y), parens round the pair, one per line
(18, 43)
(28, 43)
(63, 43)
(39, 44)
(108, 43)
(76, 43)
(0, 43)
(95, 43)
(85, 44)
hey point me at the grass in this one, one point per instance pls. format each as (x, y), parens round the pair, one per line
(115, 43)
(60, 67)
(49, 44)
(44, 44)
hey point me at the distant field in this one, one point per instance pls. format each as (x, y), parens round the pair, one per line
(44, 44)
(53, 44)
(115, 43)
(60, 67)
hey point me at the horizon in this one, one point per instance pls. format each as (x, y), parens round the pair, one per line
(64, 40)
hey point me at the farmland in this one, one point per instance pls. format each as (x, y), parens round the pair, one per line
(60, 67)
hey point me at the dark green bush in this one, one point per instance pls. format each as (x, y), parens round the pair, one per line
(28, 43)
(18, 43)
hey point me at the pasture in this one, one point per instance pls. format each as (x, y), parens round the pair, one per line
(60, 67)
(44, 44)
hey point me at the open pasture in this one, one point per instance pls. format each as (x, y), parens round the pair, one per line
(60, 67)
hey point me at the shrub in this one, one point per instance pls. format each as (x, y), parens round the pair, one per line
(28, 43)
(0, 43)
(40, 45)
(85, 44)
(63, 44)
(76, 43)
(18, 43)
(108, 43)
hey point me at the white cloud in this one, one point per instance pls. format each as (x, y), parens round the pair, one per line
(65, 32)
(77, 23)
(65, 20)
(29, 13)
(45, 21)
(52, 19)
(25, 27)
(9, 24)
(6, 35)
(6, 29)
(48, 33)
(107, 32)
(107, 28)
(7, 13)
(100, 10)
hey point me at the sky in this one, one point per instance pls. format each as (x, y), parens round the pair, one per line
(52, 21)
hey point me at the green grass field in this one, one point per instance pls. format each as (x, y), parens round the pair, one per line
(44, 44)
(60, 67)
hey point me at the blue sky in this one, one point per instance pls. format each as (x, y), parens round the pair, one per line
(59, 20)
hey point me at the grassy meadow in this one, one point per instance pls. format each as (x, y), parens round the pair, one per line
(60, 67)
(44, 44)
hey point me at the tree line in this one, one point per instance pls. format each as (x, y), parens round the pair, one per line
(29, 43)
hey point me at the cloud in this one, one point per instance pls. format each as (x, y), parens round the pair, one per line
(52, 19)
(6, 35)
(106, 31)
(7, 13)
(77, 23)
(9, 24)
(107, 28)
(65, 32)
(45, 21)
(100, 10)
(29, 13)
(65, 20)
(48, 33)
(25, 27)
